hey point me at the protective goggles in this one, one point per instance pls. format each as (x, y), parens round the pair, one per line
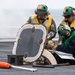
(39, 12)
(67, 16)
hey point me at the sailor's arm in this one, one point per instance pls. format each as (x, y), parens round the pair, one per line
(52, 32)
(29, 20)
(69, 48)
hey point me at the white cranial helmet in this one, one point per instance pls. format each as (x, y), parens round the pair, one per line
(67, 27)
(64, 26)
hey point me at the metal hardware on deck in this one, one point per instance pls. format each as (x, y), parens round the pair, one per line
(15, 59)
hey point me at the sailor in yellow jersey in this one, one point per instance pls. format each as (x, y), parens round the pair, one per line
(69, 18)
(42, 16)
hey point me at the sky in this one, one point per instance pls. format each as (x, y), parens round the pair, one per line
(32, 4)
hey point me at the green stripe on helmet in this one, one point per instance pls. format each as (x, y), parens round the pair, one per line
(42, 7)
(67, 11)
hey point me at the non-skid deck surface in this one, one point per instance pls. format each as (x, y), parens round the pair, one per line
(6, 48)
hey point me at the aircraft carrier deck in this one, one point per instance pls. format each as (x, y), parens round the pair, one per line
(6, 49)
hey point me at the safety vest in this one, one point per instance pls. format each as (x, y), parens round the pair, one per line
(47, 22)
(66, 23)
(73, 24)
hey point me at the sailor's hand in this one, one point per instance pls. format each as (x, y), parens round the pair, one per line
(60, 42)
(50, 45)
(54, 48)
(48, 36)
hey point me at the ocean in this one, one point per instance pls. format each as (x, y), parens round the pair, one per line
(12, 19)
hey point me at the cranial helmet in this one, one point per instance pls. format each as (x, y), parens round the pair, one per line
(68, 11)
(73, 9)
(42, 9)
(66, 27)
(63, 28)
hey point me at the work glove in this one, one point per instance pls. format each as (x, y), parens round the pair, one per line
(48, 36)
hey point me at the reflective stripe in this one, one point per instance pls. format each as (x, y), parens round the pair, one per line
(46, 23)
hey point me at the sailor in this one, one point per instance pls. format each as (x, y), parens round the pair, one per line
(69, 14)
(68, 41)
(69, 18)
(42, 16)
